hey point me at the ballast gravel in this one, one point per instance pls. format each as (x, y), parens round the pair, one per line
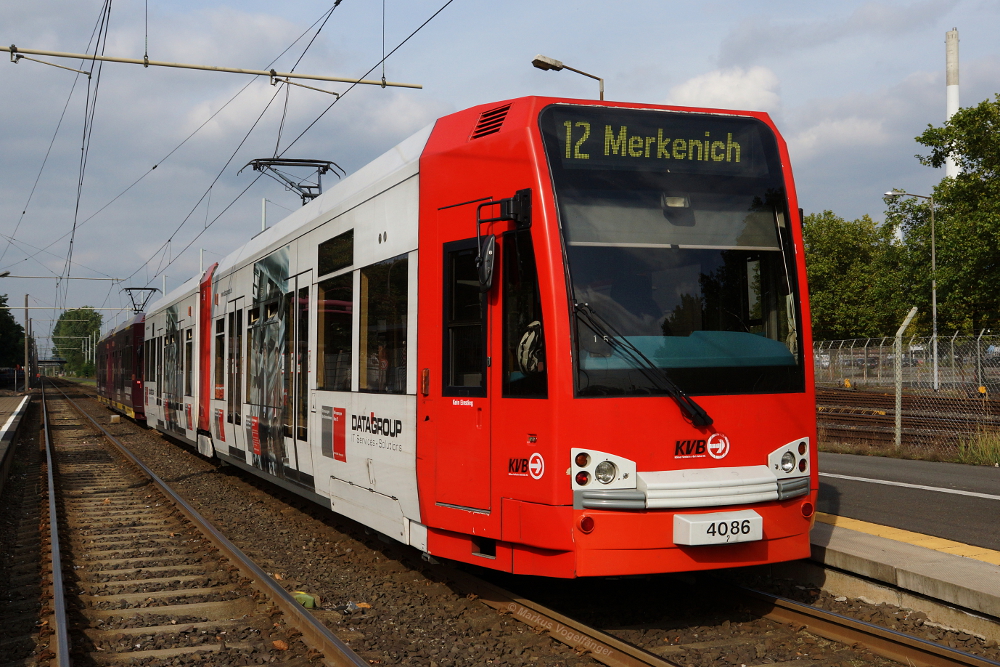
(404, 615)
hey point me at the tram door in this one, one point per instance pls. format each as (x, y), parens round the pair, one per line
(234, 373)
(463, 435)
(295, 367)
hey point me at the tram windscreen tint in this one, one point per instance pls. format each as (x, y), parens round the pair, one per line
(676, 233)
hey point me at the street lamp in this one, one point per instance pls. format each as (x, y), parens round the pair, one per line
(546, 63)
(899, 193)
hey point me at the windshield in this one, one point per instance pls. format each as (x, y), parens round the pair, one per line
(675, 232)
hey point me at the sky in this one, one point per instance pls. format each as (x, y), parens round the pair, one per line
(849, 85)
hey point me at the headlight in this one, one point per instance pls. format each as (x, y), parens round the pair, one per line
(788, 462)
(605, 472)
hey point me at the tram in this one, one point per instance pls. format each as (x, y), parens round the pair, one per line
(119, 367)
(552, 337)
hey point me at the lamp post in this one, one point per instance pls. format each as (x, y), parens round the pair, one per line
(546, 63)
(930, 199)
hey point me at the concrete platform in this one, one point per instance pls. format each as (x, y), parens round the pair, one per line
(12, 409)
(915, 565)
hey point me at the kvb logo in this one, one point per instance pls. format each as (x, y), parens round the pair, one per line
(718, 446)
(533, 467)
(689, 449)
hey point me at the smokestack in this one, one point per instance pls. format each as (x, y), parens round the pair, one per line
(951, 81)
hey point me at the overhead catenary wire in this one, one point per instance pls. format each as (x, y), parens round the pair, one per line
(161, 267)
(284, 111)
(90, 111)
(48, 151)
(54, 135)
(178, 146)
(373, 68)
(301, 134)
(166, 244)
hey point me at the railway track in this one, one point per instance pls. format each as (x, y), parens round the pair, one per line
(146, 579)
(21, 551)
(768, 629)
(926, 420)
(690, 620)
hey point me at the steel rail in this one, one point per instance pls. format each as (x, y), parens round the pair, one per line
(61, 621)
(887, 643)
(598, 645)
(336, 652)
(614, 652)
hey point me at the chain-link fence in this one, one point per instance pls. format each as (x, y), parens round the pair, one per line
(949, 409)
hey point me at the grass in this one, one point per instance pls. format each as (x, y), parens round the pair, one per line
(981, 448)
(929, 453)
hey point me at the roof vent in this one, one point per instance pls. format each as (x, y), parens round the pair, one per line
(490, 121)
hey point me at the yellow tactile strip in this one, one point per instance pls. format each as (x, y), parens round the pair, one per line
(917, 539)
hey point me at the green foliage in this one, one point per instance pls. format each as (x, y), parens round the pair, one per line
(982, 448)
(11, 337)
(862, 280)
(67, 338)
(967, 221)
(854, 269)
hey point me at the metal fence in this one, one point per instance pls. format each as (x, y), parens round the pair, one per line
(889, 394)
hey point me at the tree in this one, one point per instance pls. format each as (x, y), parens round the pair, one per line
(11, 337)
(68, 338)
(967, 219)
(854, 270)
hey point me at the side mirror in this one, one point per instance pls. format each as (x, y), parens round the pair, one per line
(484, 262)
(516, 209)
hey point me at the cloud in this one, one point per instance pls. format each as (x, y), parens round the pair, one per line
(753, 41)
(837, 134)
(753, 89)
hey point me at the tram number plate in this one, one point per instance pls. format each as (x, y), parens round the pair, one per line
(718, 528)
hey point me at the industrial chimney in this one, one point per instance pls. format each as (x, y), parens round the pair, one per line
(951, 76)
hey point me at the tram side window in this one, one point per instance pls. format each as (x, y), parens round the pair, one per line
(127, 366)
(302, 354)
(336, 254)
(188, 359)
(464, 369)
(286, 364)
(383, 305)
(220, 358)
(524, 371)
(336, 308)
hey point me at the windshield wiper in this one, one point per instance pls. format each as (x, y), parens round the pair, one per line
(656, 375)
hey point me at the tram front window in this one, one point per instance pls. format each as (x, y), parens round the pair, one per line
(686, 254)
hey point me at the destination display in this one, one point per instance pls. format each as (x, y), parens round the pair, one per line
(656, 140)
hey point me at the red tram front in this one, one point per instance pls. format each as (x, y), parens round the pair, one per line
(553, 337)
(660, 265)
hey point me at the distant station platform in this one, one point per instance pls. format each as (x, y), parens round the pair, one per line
(12, 409)
(924, 528)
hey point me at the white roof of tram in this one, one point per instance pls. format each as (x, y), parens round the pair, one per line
(393, 166)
